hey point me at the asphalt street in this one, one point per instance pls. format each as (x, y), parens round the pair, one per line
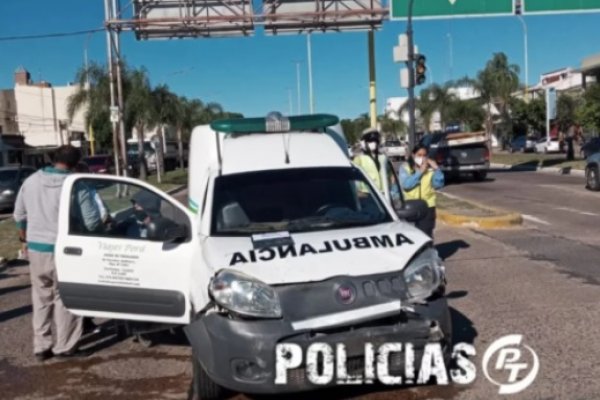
(562, 217)
(499, 283)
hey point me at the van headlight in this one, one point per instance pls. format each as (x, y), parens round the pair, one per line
(423, 275)
(244, 295)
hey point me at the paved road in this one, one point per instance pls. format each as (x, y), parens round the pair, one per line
(562, 217)
(495, 288)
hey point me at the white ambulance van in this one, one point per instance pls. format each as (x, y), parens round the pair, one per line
(284, 240)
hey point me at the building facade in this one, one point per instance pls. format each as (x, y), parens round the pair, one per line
(38, 112)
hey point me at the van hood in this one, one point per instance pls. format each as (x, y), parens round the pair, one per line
(315, 256)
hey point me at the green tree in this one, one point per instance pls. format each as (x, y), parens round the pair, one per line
(391, 126)
(496, 84)
(528, 116)
(469, 113)
(588, 112)
(168, 110)
(140, 111)
(566, 107)
(93, 95)
(441, 99)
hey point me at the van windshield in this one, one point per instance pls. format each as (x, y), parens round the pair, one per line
(296, 200)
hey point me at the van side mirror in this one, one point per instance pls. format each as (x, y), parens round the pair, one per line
(413, 210)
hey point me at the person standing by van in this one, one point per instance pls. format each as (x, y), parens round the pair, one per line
(420, 177)
(371, 161)
(36, 215)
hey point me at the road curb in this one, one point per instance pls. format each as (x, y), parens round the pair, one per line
(176, 190)
(545, 170)
(503, 220)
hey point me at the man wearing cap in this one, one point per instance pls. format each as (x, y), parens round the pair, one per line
(371, 162)
(147, 221)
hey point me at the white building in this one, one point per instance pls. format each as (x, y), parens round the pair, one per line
(41, 113)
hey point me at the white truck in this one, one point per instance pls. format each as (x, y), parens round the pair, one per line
(284, 241)
(395, 150)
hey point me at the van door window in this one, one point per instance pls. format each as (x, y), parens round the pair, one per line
(121, 210)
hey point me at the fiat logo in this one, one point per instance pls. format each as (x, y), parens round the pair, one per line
(345, 294)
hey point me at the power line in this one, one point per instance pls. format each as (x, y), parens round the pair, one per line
(49, 35)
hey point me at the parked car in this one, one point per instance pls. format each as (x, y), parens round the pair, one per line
(590, 147)
(11, 179)
(592, 174)
(100, 164)
(545, 146)
(522, 144)
(395, 150)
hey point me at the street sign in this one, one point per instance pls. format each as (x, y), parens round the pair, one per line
(430, 9)
(560, 6)
(114, 114)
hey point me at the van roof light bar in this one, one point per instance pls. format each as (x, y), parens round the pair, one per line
(276, 123)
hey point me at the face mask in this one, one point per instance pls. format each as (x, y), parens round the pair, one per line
(418, 160)
(372, 146)
(140, 215)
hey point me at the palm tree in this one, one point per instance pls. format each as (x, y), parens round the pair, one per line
(392, 126)
(140, 112)
(167, 106)
(496, 84)
(93, 95)
(441, 98)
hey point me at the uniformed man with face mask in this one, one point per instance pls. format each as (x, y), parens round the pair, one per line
(372, 162)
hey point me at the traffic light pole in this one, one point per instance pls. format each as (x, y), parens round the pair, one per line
(410, 64)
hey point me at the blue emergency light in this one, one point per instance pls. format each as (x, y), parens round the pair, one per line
(275, 123)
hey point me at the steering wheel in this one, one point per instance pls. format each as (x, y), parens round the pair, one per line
(326, 207)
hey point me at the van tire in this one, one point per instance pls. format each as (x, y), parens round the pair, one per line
(204, 388)
(592, 178)
(480, 176)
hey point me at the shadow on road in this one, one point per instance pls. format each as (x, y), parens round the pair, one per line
(463, 329)
(448, 249)
(15, 313)
(11, 289)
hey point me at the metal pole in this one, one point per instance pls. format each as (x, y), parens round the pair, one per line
(526, 50)
(412, 126)
(111, 75)
(298, 98)
(372, 78)
(120, 103)
(311, 99)
(450, 54)
(90, 131)
(290, 102)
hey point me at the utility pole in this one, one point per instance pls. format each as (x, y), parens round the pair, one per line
(114, 110)
(410, 64)
(372, 80)
(298, 97)
(311, 99)
(526, 57)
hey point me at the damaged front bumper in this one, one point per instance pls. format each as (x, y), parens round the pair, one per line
(240, 354)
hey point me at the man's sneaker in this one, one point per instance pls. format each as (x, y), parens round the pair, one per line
(89, 327)
(44, 355)
(74, 354)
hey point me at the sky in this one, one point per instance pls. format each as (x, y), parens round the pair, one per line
(256, 75)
